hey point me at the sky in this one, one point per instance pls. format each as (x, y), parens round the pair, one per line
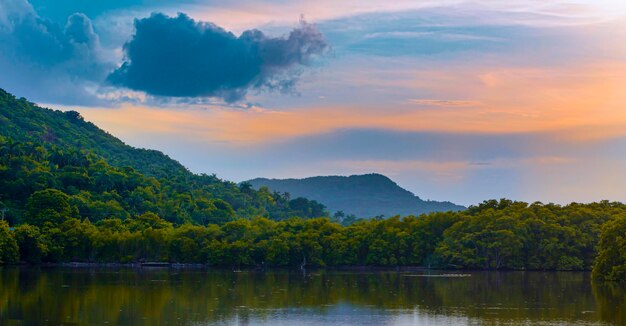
(453, 100)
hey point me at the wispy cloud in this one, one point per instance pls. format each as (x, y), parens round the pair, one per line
(438, 35)
(453, 169)
(444, 103)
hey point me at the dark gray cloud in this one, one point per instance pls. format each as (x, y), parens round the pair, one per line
(179, 57)
(46, 61)
(80, 31)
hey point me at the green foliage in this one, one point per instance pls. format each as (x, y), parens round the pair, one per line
(31, 243)
(147, 221)
(485, 241)
(611, 262)
(49, 206)
(515, 235)
(55, 166)
(508, 238)
(504, 236)
(9, 251)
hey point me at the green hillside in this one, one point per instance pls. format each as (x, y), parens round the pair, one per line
(22, 121)
(101, 177)
(365, 196)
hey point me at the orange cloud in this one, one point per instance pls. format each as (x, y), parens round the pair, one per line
(582, 104)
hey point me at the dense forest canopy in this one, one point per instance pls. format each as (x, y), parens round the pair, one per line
(493, 235)
(71, 192)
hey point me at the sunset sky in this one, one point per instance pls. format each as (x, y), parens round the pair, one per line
(454, 100)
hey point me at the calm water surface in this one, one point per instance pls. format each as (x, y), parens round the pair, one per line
(63, 296)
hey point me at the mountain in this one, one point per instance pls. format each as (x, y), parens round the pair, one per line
(48, 156)
(23, 121)
(365, 195)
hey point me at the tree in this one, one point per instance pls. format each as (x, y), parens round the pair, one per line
(9, 251)
(31, 243)
(49, 206)
(487, 240)
(221, 213)
(339, 216)
(610, 264)
(148, 220)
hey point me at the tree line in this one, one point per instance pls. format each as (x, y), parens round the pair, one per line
(493, 235)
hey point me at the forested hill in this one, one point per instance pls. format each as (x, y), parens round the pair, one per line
(22, 121)
(365, 196)
(53, 157)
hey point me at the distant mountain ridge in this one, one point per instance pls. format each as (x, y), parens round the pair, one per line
(365, 195)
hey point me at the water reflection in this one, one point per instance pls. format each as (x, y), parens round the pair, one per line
(29, 296)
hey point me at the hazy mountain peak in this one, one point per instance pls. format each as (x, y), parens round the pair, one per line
(365, 195)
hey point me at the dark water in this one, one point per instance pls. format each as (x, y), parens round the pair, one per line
(55, 296)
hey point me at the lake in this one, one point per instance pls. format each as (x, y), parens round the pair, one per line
(167, 296)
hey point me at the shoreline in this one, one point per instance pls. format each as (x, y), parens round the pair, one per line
(361, 268)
